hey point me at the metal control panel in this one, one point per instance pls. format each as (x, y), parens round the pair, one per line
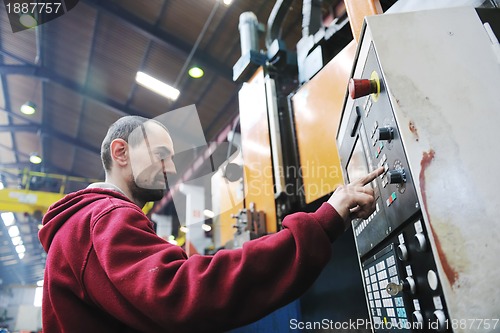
(406, 111)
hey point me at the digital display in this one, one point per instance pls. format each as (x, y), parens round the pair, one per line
(357, 166)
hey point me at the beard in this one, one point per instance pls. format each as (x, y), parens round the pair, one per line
(146, 194)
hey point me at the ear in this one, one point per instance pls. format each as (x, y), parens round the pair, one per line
(119, 152)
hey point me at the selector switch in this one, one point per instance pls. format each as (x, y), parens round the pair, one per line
(409, 285)
(396, 177)
(421, 242)
(402, 252)
(440, 318)
(386, 133)
(362, 87)
(418, 318)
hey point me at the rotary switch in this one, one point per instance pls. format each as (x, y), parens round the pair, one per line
(396, 176)
(386, 133)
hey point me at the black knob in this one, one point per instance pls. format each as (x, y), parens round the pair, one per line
(396, 176)
(386, 133)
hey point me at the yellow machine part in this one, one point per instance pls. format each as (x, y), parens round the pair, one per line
(317, 109)
(258, 169)
(23, 201)
(229, 198)
(357, 10)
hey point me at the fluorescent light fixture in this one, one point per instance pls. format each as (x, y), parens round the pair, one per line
(16, 240)
(8, 218)
(208, 213)
(206, 227)
(28, 108)
(20, 249)
(157, 86)
(13, 231)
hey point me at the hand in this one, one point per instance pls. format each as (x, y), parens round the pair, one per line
(355, 200)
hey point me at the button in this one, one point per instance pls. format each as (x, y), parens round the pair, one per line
(393, 196)
(432, 279)
(362, 87)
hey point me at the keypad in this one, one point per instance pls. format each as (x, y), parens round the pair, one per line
(384, 307)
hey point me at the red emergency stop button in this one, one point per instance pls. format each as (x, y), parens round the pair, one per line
(362, 87)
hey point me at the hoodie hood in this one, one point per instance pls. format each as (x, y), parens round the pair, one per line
(59, 212)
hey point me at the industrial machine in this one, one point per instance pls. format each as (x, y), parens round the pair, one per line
(424, 103)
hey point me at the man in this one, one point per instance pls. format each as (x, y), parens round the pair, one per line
(107, 271)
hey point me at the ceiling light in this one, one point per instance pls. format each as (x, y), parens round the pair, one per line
(27, 21)
(20, 249)
(16, 240)
(28, 108)
(8, 218)
(157, 86)
(196, 72)
(228, 2)
(35, 158)
(13, 231)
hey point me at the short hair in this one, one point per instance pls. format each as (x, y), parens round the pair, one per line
(121, 129)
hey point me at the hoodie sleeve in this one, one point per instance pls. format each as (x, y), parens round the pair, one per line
(207, 293)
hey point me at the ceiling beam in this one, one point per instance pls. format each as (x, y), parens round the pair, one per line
(160, 36)
(44, 73)
(33, 127)
(20, 128)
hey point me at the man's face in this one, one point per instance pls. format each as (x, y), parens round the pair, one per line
(151, 161)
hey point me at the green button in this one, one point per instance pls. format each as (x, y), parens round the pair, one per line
(393, 196)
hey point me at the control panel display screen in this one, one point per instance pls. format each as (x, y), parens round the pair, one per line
(357, 166)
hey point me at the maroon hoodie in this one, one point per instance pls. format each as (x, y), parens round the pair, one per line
(107, 270)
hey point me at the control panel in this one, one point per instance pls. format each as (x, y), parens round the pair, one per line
(428, 253)
(401, 280)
